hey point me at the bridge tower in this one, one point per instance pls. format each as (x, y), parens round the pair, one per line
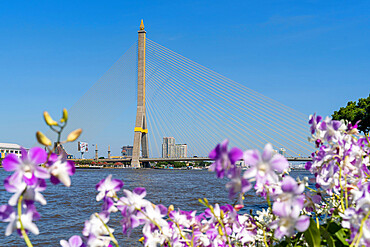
(141, 130)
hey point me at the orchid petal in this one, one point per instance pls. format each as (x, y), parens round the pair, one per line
(37, 155)
(302, 223)
(279, 163)
(267, 152)
(10, 162)
(235, 155)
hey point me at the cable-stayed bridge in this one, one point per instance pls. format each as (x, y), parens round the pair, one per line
(175, 96)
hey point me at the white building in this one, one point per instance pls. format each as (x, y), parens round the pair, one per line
(181, 150)
(9, 148)
(168, 147)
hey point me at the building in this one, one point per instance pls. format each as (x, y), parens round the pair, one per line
(61, 151)
(9, 148)
(127, 151)
(168, 147)
(282, 151)
(181, 150)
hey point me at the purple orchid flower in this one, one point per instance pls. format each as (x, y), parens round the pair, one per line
(333, 129)
(108, 187)
(108, 205)
(5, 212)
(129, 221)
(264, 167)
(29, 214)
(18, 186)
(28, 166)
(133, 200)
(224, 160)
(60, 169)
(237, 184)
(291, 199)
(74, 241)
(95, 231)
(288, 221)
(314, 121)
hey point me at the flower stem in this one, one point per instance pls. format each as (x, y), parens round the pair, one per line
(180, 231)
(341, 189)
(358, 236)
(220, 221)
(264, 237)
(23, 231)
(106, 227)
(362, 226)
(151, 220)
(346, 191)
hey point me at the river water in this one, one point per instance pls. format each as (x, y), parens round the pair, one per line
(68, 208)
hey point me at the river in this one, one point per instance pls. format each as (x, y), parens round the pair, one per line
(68, 208)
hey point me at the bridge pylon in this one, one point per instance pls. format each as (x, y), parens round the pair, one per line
(141, 130)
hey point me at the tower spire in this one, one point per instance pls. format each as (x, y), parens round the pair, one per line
(142, 25)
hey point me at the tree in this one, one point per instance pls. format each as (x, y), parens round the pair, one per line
(356, 111)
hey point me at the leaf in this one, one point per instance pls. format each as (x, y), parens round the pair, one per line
(282, 244)
(333, 227)
(329, 239)
(342, 236)
(312, 235)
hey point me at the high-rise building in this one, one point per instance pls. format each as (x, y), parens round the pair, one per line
(168, 147)
(181, 150)
(127, 151)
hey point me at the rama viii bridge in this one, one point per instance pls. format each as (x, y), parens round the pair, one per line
(152, 92)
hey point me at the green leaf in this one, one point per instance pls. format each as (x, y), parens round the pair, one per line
(333, 227)
(312, 235)
(342, 236)
(329, 239)
(283, 244)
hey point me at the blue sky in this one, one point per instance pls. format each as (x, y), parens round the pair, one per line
(310, 55)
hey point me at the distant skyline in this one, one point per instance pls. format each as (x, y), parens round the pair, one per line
(312, 56)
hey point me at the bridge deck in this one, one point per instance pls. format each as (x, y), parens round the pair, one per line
(302, 159)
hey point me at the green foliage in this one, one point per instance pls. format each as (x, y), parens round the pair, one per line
(175, 164)
(83, 162)
(312, 234)
(355, 111)
(329, 234)
(334, 235)
(202, 163)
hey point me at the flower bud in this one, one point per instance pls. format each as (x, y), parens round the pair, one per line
(171, 208)
(220, 231)
(74, 135)
(65, 116)
(42, 139)
(237, 207)
(222, 214)
(49, 121)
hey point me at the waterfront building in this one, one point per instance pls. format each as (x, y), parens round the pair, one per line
(181, 150)
(168, 147)
(61, 151)
(127, 151)
(282, 151)
(9, 148)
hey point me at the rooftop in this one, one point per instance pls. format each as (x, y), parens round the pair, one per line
(10, 145)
